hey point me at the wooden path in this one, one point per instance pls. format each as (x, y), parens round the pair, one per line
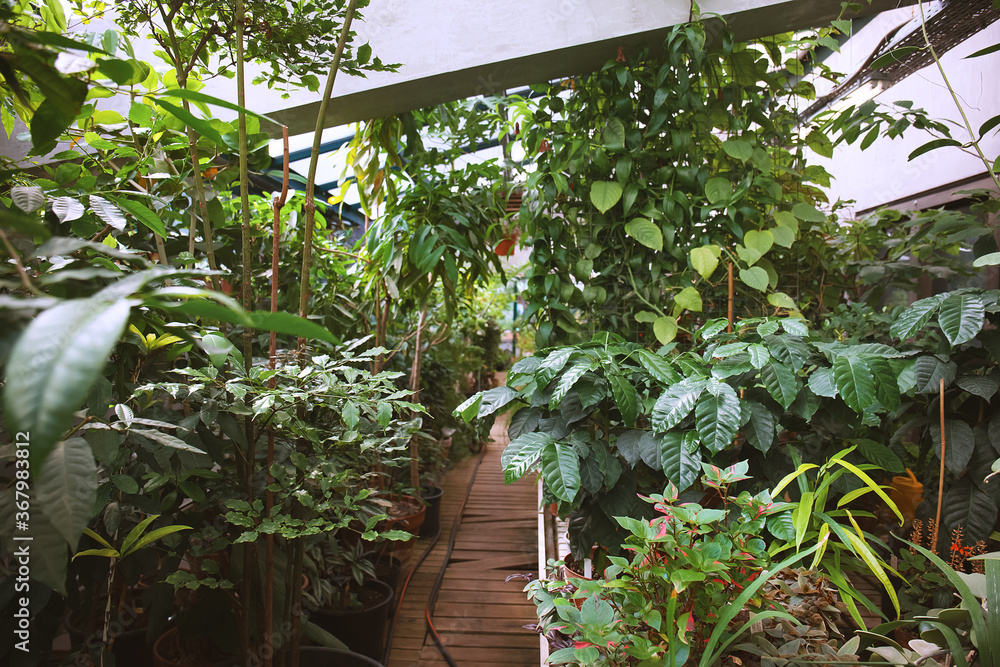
(478, 615)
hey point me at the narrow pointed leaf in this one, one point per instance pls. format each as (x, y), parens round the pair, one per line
(676, 403)
(625, 396)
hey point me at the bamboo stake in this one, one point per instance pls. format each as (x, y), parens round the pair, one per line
(729, 329)
(937, 519)
(272, 383)
(310, 203)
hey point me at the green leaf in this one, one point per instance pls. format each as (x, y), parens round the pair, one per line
(568, 379)
(291, 325)
(665, 328)
(880, 455)
(802, 516)
(53, 365)
(929, 371)
(886, 382)
(718, 190)
(166, 440)
(754, 277)
(153, 536)
(561, 471)
(717, 418)
(196, 96)
(625, 397)
(894, 56)
(961, 317)
(914, 317)
(659, 367)
(780, 382)
(989, 125)
(932, 145)
(66, 488)
(66, 208)
(614, 134)
(822, 383)
(807, 213)
(49, 555)
(783, 236)
(199, 125)
(759, 241)
(646, 233)
(522, 454)
(680, 466)
(28, 198)
(705, 259)
(990, 259)
(984, 52)
(984, 387)
(854, 382)
(786, 219)
(737, 148)
(689, 299)
(552, 364)
(495, 399)
(781, 526)
(781, 300)
(759, 355)
(142, 214)
(760, 429)
(959, 444)
(108, 212)
(605, 194)
(676, 403)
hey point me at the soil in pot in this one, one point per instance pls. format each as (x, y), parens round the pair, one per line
(362, 629)
(432, 518)
(388, 569)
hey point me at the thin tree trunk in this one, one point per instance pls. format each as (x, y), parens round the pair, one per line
(415, 397)
(310, 203)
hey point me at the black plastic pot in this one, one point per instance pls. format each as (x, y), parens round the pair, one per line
(129, 647)
(363, 630)
(319, 656)
(388, 568)
(432, 519)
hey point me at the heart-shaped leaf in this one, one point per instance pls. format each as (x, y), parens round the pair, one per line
(646, 233)
(604, 195)
(28, 198)
(705, 259)
(688, 299)
(718, 190)
(754, 277)
(759, 241)
(665, 329)
(737, 148)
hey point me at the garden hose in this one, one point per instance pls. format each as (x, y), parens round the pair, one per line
(437, 583)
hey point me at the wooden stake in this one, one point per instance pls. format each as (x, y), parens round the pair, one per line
(937, 520)
(272, 383)
(729, 329)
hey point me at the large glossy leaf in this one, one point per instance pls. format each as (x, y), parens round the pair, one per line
(66, 208)
(959, 443)
(914, 317)
(625, 396)
(638, 445)
(469, 408)
(854, 382)
(552, 364)
(28, 198)
(881, 456)
(66, 487)
(759, 430)
(967, 506)
(780, 382)
(171, 441)
(680, 466)
(522, 454)
(929, 371)
(53, 365)
(108, 212)
(49, 553)
(961, 317)
(561, 470)
(822, 383)
(982, 386)
(659, 367)
(568, 379)
(886, 387)
(717, 417)
(676, 403)
(143, 214)
(495, 399)
(718, 190)
(788, 349)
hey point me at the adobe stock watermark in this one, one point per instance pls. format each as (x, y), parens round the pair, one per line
(22, 540)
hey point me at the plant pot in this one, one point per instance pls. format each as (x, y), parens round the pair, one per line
(363, 629)
(432, 519)
(407, 513)
(388, 569)
(321, 656)
(129, 647)
(170, 651)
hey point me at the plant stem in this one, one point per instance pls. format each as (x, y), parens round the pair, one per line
(12, 251)
(310, 204)
(954, 96)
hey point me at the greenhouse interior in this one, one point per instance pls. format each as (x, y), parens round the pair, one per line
(544, 332)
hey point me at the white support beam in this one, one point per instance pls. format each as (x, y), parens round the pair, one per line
(453, 49)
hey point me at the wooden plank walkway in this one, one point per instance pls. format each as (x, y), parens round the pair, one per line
(478, 615)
